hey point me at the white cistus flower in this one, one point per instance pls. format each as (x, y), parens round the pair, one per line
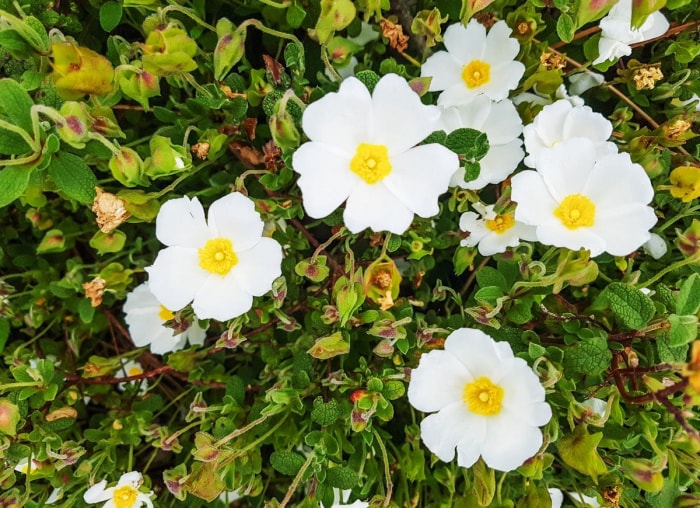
(557, 497)
(617, 33)
(561, 121)
(491, 232)
(125, 494)
(655, 246)
(340, 499)
(362, 150)
(502, 125)
(218, 264)
(486, 402)
(475, 63)
(146, 317)
(577, 201)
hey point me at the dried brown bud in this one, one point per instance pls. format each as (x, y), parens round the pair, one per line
(201, 150)
(678, 128)
(94, 291)
(646, 77)
(551, 61)
(397, 39)
(110, 211)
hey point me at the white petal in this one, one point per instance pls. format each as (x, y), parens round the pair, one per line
(442, 431)
(656, 246)
(557, 497)
(175, 277)
(341, 119)
(500, 46)
(326, 180)
(163, 344)
(234, 217)
(401, 120)
(655, 26)
(221, 298)
(535, 203)
(180, 222)
(497, 165)
(420, 175)
(466, 43)
(97, 493)
(581, 238)
(585, 123)
(524, 395)
(444, 70)
(457, 95)
(437, 382)
(503, 79)
(567, 167)
(493, 243)
(259, 266)
(509, 442)
(625, 233)
(195, 334)
(615, 180)
(478, 352)
(376, 207)
(132, 478)
(503, 124)
(474, 225)
(582, 81)
(475, 115)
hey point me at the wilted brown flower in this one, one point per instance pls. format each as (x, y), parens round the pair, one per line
(201, 150)
(94, 291)
(646, 77)
(397, 39)
(110, 211)
(551, 61)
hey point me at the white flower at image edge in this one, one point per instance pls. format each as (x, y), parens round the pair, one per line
(218, 264)
(362, 149)
(474, 64)
(562, 121)
(576, 201)
(125, 494)
(492, 232)
(502, 125)
(145, 317)
(617, 33)
(485, 401)
(340, 498)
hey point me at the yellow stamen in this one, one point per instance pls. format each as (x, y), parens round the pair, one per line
(476, 73)
(371, 162)
(501, 223)
(483, 397)
(576, 211)
(124, 496)
(134, 371)
(217, 256)
(165, 314)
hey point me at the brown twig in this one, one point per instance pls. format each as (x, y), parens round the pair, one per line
(315, 243)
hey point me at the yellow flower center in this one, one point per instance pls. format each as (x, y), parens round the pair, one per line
(501, 223)
(165, 314)
(576, 211)
(371, 162)
(134, 371)
(483, 397)
(124, 496)
(217, 256)
(476, 73)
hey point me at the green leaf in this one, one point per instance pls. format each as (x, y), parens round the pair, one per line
(472, 170)
(632, 307)
(667, 353)
(438, 137)
(566, 28)
(287, 463)
(12, 143)
(330, 346)
(489, 294)
(16, 104)
(471, 143)
(325, 413)
(579, 451)
(489, 276)
(295, 15)
(73, 177)
(110, 15)
(13, 182)
(369, 79)
(393, 389)
(535, 350)
(588, 356)
(684, 330)
(688, 301)
(86, 311)
(342, 478)
(4, 332)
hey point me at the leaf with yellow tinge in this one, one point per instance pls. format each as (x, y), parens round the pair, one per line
(204, 481)
(578, 450)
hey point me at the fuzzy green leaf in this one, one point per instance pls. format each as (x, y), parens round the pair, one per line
(16, 104)
(110, 15)
(287, 463)
(471, 143)
(589, 356)
(73, 177)
(632, 307)
(342, 478)
(489, 276)
(689, 296)
(369, 79)
(325, 413)
(566, 28)
(684, 330)
(13, 183)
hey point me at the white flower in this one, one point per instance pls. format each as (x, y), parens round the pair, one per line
(578, 201)
(132, 368)
(656, 246)
(557, 497)
(487, 402)
(562, 121)
(582, 81)
(617, 32)
(55, 495)
(582, 500)
(502, 125)
(493, 232)
(340, 498)
(694, 99)
(362, 150)
(145, 317)
(474, 63)
(24, 467)
(219, 264)
(124, 495)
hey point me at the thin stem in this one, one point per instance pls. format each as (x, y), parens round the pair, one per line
(684, 213)
(33, 143)
(27, 384)
(387, 472)
(182, 177)
(695, 258)
(327, 63)
(241, 179)
(172, 437)
(297, 480)
(240, 431)
(22, 160)
(325, 244)
(189, 14)
(410, 59)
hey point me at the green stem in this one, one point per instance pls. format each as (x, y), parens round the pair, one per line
(695, 258)
(181, 178)
(686, 212)
(33, 144)
(283, 5)
(239, 432)
(297, 480)
(387, 472)
(18, 162)
(27, 384)
(327, 63)
(189, 14)
(325, 244)
(174, 436)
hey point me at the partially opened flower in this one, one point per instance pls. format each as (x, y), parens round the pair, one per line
(685, 183)
(618, 34)
(562, 121)
(474, 63)
(363, 150)
(486, 402)
(492, 232)
(502, 125)
(219, 264)
(132, 368)
(579, 201)
(146, 319)
(125, 494)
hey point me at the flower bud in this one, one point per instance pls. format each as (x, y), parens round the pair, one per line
(335, 15)
(591, 10)
(230, 48)
(76, 123)
(166, 158)
(471, 7)
(689, 240)
(283, 128)
(644, 473)
(139, 86)
(169, 51)
(381, 282)
(9, 417)
(427, 23)
(78, 71)
(127, 168)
